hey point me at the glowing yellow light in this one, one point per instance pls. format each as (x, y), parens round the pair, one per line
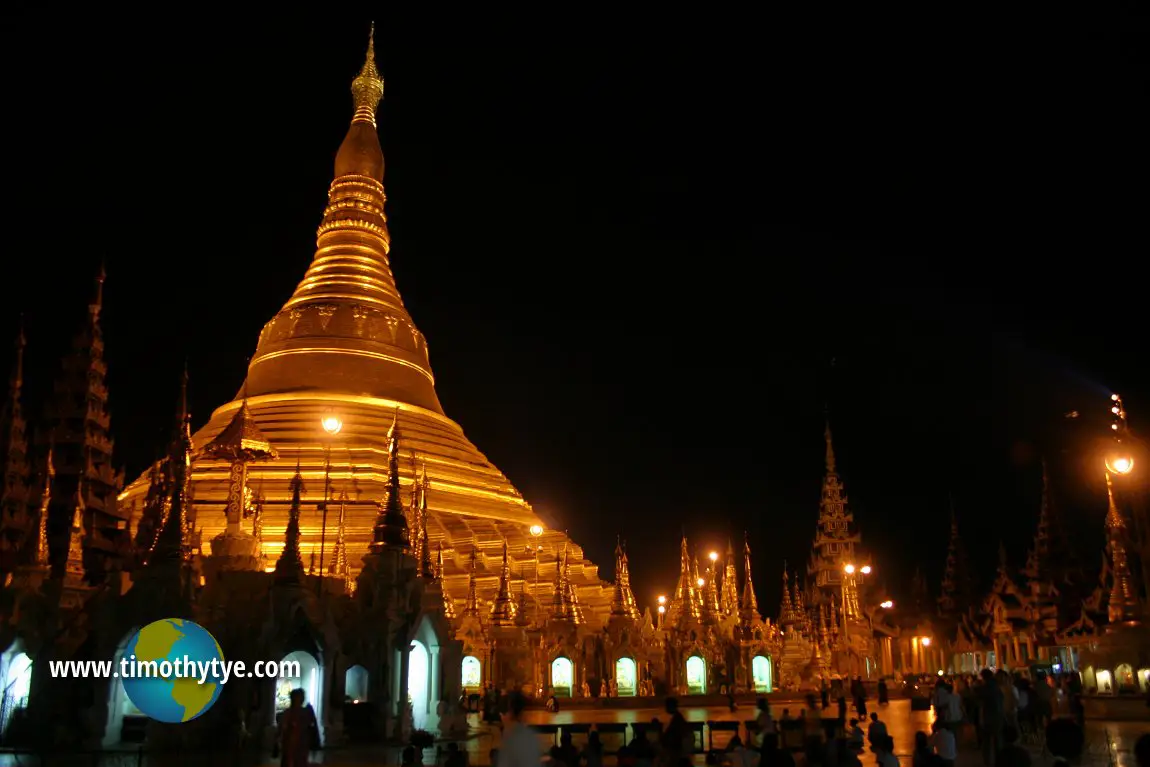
(662, 609)
(1114, 426)
(714, 556)
(1114, 397)
(331, 424)
(1120, 464)
(940, 672)
(866, 570)
(662, 600)
(271, 569)
(701, 581)
(926, 641)
(537, 530)
(849, 569)
(1115, 410)
(887, 604)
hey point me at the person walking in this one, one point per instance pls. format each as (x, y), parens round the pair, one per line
(296, 731)
(520, 746)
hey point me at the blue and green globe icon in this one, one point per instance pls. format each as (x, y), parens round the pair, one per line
(170, 674)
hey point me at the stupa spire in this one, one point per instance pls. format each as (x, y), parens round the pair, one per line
(391, 524)
(569, 589)
(289, 567)
(750, 604)
(42, 555)
(74, 571)
(835, 533)
(425, 568)
(172, 542)
(346, 315)
(472, 606)
(339, 564)
(623, 601)
(1123, 605)
(685, 603)
(448, 602)
(503, 611)
(14, 469)
(830, 459)
(730, 596)
(786, 604)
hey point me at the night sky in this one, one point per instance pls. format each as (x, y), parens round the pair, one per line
(646, 255)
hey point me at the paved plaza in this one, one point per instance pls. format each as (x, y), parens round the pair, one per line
(1108, 743)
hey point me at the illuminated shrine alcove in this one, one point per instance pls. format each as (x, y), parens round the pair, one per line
(761, 673)
(696, 676)
(125, 722)
(472, 678)
(418, 669)
(1124, 676)
(17, 684)
(1105, 681)
(1144, 679)
(355, 684)
(301, 670)
(562, 676)
(626, 682)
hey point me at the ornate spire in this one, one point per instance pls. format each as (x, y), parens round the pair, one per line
(258, 526)
(623, 601)
(14, 470)
(729, 599)
(42, 556)
(448, 602)
(711, 607)
(425, 568)
(172, 541)
(750, 605)
(391, 524)
(80, 429)
(503, 611)
(830, 447)
(339, 565)
(74, 572)
(472, 606)
(289, 567)
(685, 603)
(801, 614)
(367, 87)
(1123, 606)
(786, 604)
(835, 534)
(569, 589)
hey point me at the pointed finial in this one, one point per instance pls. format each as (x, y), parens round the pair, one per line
(830, 447)
(98, 302)
(367, 88)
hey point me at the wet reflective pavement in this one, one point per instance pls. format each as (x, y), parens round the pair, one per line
(1107, 743)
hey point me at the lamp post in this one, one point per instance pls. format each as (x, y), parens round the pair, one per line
(662, 600)
(850, 604)
(331, 425)
(1126, 454)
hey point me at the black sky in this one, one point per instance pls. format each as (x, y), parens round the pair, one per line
(635, 248)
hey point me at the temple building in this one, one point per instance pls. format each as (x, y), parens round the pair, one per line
(330, 515)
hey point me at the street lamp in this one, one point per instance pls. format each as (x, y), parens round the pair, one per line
(713, 556)
(536, 531)
(865, 570)
(332, 425)
(886, 605)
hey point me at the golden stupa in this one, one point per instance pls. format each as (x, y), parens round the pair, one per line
(344, 352)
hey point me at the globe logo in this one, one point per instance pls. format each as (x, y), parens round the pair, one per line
(172, 670)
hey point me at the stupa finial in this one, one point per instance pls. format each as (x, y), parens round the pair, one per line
(367, 87)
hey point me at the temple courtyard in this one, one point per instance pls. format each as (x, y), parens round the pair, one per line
(1108, 743)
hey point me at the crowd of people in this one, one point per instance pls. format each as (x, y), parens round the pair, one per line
(995, 715)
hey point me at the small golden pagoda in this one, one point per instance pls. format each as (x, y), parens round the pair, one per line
(332, 370)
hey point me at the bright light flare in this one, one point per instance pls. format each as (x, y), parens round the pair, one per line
(537, 530)
(1119, 464)
(701, 582)
(866, 570)
(886, 605)
(713, 556)
(331, 424)
(662, 599)
(926, 641)
(662, 609)
(849, 569)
